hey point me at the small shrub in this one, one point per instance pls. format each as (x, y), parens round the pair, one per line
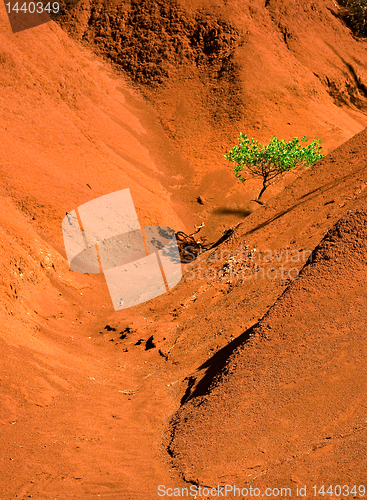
(269, 162)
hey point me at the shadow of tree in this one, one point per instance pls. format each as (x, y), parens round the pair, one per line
(231, 211)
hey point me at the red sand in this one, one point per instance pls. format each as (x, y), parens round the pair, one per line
(86, 409)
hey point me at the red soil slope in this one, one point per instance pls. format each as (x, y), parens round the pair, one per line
(212, 69)
(289, 406)
(71, 131)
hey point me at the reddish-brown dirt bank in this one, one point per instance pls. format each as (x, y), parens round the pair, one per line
(86, 398)
(288, 408)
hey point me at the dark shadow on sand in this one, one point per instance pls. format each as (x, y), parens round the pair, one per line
(213, 367)
(231, 211)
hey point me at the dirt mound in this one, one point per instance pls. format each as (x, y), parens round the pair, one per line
(288, 406)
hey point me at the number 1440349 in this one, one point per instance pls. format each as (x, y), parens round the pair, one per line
(33, 7)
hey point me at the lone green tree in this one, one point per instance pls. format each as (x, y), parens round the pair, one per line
(269, 162)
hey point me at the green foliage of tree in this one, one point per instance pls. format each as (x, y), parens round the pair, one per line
(269, 162)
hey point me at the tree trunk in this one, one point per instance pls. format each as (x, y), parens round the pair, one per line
(263, 189)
